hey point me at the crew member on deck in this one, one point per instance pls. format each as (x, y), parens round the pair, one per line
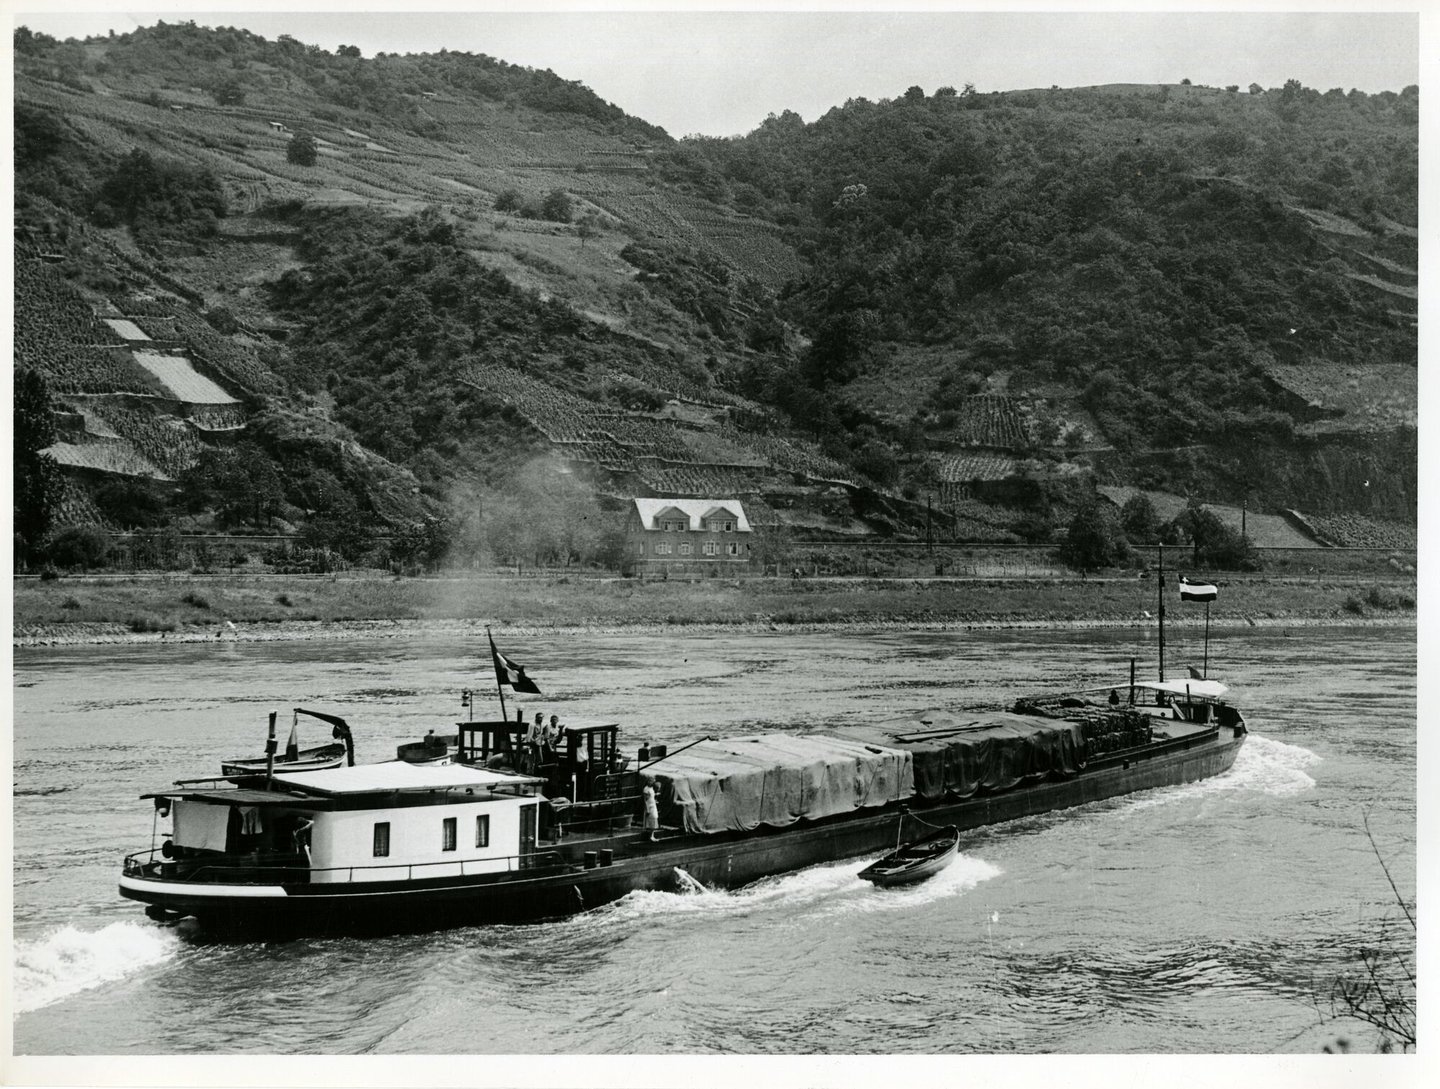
(533, 735)
(652, 811)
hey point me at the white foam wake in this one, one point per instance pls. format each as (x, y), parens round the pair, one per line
(67, 961)
(1263, 764)
(819, 890)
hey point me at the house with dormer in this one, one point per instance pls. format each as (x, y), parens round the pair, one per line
(686, 536)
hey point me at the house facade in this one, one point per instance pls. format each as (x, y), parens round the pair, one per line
(686, 537)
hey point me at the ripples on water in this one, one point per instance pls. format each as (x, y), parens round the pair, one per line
(1136, 924)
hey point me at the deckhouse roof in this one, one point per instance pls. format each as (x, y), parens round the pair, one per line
(393, 775)
(1206, 689)
(696, 510)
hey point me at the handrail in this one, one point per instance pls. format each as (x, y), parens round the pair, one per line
(536, 859)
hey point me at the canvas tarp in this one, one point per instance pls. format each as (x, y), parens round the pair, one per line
(740, 783)
(201, 826)
(958, 755)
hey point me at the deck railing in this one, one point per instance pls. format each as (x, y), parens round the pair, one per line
(218, 871)
(605, 815)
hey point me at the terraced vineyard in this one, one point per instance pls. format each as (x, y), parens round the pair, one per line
(58, 334)
(992, 420)
(964, 468)
(666, 454)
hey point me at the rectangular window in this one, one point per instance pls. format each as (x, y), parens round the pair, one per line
(382, 840)
(482, 831)
(640, 548)
(711, 548)
(685, 549)
(663, 548)
(447, 835)
(733, 549)
(729, 527)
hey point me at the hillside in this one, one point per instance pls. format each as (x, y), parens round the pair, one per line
(275, 288)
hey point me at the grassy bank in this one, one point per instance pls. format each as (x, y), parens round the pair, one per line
(188, 606)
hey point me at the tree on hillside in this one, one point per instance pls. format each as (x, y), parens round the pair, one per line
(38, 483)
(152, 195)
(1139, 522)
(587, 228)
(557, 206)
(301, 149)
(1213, 543)
(1093, 538)
(38, 135)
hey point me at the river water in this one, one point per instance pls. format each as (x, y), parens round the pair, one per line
(1203, 918)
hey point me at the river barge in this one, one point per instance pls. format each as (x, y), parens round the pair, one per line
(508, 829)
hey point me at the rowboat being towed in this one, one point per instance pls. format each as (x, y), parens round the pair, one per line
(398, 845)
(915, 861)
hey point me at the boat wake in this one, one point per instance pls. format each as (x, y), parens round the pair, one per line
(1263, 765)
(67, 961)
(817, 892)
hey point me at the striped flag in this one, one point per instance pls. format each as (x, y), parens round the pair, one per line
(511, 674)
(1197, 591)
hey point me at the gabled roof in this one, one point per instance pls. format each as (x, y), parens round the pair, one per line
(694, 509)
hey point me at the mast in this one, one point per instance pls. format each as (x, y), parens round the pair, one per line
(1160, 589)
(495, 661)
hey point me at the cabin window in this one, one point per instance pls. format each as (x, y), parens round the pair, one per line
(447, 834)
(382, 840)
(482, 831)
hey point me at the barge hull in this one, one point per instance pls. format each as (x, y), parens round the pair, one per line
(727, 860)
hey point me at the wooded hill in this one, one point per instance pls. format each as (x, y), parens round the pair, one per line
(273, 287)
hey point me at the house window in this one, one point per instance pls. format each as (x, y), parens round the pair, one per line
(640, 547)
(729, 527)
(382, 840)
(482, 831)
(733, 549)
(663, 548)
(686, 549)
(447, 834)
(711, 548)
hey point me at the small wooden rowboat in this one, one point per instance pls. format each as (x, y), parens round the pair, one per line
(319, 758)
(915, 861)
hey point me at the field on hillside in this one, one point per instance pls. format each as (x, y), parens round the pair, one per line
(1378, 397)
(1264, 530)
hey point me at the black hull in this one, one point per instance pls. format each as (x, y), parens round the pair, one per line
(720, 861)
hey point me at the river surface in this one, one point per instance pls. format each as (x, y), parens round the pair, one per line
(1202, 918)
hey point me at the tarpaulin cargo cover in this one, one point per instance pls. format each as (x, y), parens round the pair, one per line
(957, 755)
(739, 783)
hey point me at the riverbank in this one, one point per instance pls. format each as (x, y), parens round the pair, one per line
(190, 608)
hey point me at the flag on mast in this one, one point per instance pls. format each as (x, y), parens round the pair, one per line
(1197, 591)
(511, 674)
